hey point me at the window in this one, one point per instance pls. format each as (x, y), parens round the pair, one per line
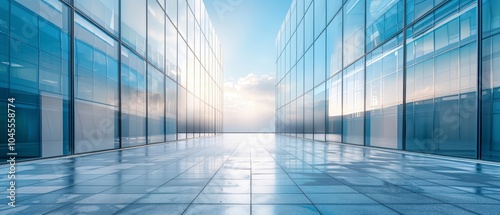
(103, 12)
(171, 109)
(334, 46)
(156, 34)
(334, 108)
(354, 15)
(156, 106)
(384, 95)
(353, 103)
(133, 90)
(96, 90)
(309, 115)
(384, 18)
(491, 17)
(441, 90)
(133, 28)
(491, 98)
(319, 60)
(320, 112)
(171, 53)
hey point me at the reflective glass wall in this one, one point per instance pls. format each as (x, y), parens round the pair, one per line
(411, 75)
(96, 75)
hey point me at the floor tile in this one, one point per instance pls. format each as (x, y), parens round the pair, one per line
(154, 209)
(38, 189)
(227, 189)
(223, 198)
(276, 189)
(355, 209)
(83, 189)
(131, 189)
(436, 209)
(88, 209)
(276, 198)
(167, 198)
(29, 209)
(196, 209)
(340, 199)
(111, 199)
(402, 198)
(178, 189)
(327, 189)
(54, 198)
(481, 208)
(462, 198)
(284, 209)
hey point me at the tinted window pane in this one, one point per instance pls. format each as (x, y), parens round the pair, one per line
(319, 60)
(309, 115)
(133, 28)
(353, 103)
(104, 12)
(133, 90)
(319, 112)
(156, 34)
(384, 96)
(334, 46)
(441, 84)
(491, 98)
(171, 109)
(383, 19)
(353, 30)
(334, 96)
(96, 90)
(156, 106)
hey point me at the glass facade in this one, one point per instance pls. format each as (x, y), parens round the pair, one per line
(97, 75)
(412, 75)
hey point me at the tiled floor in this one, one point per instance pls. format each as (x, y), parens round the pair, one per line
(254, 174)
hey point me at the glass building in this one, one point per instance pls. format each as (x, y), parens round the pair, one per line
(106, 74)
(414, 75)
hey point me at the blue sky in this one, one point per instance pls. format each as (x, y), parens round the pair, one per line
(247, 30)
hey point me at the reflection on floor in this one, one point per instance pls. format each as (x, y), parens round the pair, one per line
(253, 174)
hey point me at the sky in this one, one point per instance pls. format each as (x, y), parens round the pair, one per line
(247, 30)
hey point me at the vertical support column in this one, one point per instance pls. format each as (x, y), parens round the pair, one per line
(364, 76)
(120, 75)
(341, 13)
(147, 77)
(479, 79)
(403, 141)
(72, 143)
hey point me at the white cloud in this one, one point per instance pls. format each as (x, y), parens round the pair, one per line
(249, 104)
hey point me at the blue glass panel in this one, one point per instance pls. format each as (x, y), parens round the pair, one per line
(491, 98)
(334, 46)
(353, 103)
(309, 115)
(491, 17)
(156, 106)
(320, 60)
(334, 108)
(133, 28)
(383, 19)
(320, 112)
(96, 90)
(156, 34)
(171, 109)
(384, 96)
(103, 12)
(354, 35)
(133, 105)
